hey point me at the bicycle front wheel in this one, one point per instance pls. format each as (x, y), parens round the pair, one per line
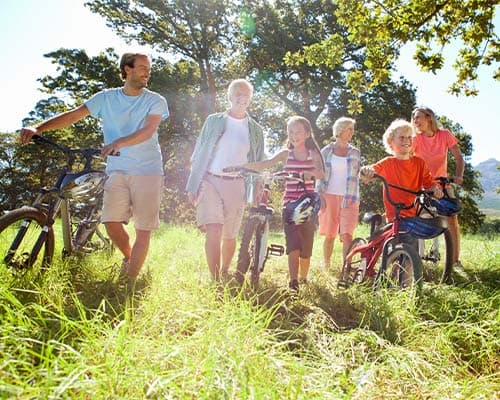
(252, 252)
(401, 269)
(353, 270)
(26, 243)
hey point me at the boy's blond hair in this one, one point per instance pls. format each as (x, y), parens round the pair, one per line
(390, 132)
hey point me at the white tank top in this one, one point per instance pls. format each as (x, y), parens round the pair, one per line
(338, 177)
(233, 146)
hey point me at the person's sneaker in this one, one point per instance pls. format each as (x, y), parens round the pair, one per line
(294, 285)
(303, 281)
(459, 269)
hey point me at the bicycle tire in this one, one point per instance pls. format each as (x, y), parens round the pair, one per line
(448, 259)
(255, 257)
(244, 251)
(22, 258)
(352, 269)
(402, 268)
(433, 262)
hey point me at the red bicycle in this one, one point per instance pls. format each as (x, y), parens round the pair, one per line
(400, 266)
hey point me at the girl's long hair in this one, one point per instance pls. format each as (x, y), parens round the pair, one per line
(311, 143)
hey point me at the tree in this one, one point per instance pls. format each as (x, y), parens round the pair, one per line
(382, 28)
(194, 30)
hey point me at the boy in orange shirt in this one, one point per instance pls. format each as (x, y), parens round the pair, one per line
(402, 169)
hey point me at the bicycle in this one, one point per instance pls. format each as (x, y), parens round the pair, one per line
(400, 264)
(254, 250)
(76, 197)
(447, 206)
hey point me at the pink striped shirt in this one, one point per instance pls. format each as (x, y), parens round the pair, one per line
(294, 189)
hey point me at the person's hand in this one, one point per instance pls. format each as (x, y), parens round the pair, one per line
(366, 173)
(192, 198)
(26, 134)
(111, 149)
(438, 192)
(458, 179)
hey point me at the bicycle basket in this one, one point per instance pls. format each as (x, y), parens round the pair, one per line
(423, 228)
(303, 209)
(82, 186)
(446, 206)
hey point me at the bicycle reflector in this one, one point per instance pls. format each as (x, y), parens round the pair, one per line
(446, 206)
(83, 185)
(303, 209)
(423, 228)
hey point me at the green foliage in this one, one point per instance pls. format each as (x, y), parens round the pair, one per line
(193, 30)
(382, 28)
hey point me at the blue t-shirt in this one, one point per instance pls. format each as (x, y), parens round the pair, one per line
(123, 115)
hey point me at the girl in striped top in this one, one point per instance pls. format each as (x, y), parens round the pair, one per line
(302, 155)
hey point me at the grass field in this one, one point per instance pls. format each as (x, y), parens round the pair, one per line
(75, 333)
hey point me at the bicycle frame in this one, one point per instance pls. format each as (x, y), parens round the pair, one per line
(85, 185)
(381, 242)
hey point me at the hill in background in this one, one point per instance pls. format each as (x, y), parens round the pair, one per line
(490, 181)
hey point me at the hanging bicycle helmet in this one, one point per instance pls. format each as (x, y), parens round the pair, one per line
(446, 206)
(303, 209)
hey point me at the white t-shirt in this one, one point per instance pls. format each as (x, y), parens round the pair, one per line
(233, 146)
(338, 178)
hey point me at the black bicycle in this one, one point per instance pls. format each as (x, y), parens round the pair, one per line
(439, 255)
(27, 233)
(254, 248)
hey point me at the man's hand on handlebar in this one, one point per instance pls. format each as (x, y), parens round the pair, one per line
(26, 134)
(112, 149)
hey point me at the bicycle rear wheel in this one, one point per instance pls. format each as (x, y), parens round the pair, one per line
(402, 269)
(440, 258)
(24, 242)
(352, 270)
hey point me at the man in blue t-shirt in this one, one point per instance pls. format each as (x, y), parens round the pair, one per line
(130, 116)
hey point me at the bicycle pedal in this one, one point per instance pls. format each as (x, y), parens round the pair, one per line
(275, 250)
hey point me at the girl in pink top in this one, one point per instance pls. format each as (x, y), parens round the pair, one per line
(432, 144)
(304, 156)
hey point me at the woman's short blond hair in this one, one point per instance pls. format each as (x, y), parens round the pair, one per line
(390, 132)
(340, 124)
(238, 83)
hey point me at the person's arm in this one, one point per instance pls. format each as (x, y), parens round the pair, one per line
(139, 136)
(459, 164)
(58, 122)
(319, 170)
(264, 164)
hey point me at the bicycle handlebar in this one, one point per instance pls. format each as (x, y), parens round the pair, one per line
(402, 206)
(87, 153)
(280, 175)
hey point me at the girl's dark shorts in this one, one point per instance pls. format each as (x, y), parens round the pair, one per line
(300, 237)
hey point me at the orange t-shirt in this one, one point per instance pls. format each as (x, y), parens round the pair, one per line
(434, 150)
(412, 174)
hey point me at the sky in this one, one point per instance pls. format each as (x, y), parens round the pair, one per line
(32, 28)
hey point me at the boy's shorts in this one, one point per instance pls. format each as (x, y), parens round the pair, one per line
(136, 196)
(221, 201)
(333, 216)
(300, 237)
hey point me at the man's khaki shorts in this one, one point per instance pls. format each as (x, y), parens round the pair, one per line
(221, 201)
(136, 196)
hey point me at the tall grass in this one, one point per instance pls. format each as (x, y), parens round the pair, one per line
(75, 333)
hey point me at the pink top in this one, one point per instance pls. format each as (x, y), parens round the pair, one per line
(434, 150)
(294, 189)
